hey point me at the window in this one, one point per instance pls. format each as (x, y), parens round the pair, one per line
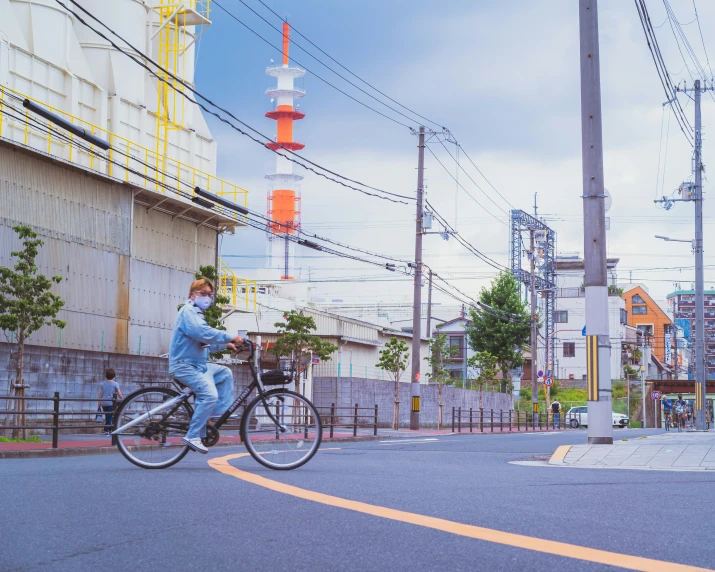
(455, 344)
(624, 316)
(639, 310)
(636, 299)
(569, 349)
(561, 317)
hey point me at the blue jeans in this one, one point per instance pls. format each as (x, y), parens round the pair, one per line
(557, 419)
(213, 386)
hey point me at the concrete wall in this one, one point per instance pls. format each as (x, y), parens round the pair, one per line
(346, 392)
(78, 373)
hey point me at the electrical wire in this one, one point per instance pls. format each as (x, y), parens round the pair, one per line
(345, 68)
(697, 18)
(465, 190)
(223, 119)
(231, 15)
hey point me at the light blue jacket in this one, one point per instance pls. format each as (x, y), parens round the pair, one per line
(193, 339)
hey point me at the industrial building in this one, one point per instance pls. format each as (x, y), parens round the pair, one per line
(119, 225)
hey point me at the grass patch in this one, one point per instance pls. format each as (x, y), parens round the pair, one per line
(30, 439)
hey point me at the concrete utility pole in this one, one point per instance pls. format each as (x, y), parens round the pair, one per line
(600, 429)
(700, 368)
(534, 324)
(642, 372)
(429, 305)
(417, 299)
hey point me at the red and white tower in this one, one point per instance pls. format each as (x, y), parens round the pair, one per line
(284, 198)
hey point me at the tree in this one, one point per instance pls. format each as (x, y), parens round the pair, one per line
(487, 364)
(503, 328)
(393, 359)
(26, 304)
(439, 350)
(297, 338)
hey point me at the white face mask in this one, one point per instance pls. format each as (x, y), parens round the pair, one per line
(202, 302)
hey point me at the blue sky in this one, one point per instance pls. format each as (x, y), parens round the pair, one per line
(504, 77)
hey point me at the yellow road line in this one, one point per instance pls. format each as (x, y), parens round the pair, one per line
(222, 465)
(559, 454)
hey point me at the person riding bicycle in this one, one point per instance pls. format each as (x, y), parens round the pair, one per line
(667, 410)
(191, 342)
(679, 408)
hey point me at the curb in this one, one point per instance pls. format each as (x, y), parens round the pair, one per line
(86, 451)
(559, 455)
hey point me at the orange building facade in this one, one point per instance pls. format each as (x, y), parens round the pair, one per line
(645, 314)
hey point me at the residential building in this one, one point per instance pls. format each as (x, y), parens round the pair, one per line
(456, 332)
(570, 319)
(645, 314)
(682, 303)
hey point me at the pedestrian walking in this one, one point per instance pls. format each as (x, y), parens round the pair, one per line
(109, 392)
(556, 410)
(667, 405)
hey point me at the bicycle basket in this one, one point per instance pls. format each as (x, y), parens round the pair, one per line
(276, 377)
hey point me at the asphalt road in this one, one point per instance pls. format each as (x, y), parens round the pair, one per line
(101, 513)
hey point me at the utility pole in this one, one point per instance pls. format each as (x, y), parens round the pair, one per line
(642, 364)
(417, 298)
(429, 305)
(534, 324)
(700, 369)
(600, 429)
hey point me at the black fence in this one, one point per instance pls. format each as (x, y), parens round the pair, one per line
(500, 421)
(354, 418)
(50, 418)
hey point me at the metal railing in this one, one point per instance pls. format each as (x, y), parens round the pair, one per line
(490, 421)
(134, 157)
(54, 415)
(241, 292)
(352, 418)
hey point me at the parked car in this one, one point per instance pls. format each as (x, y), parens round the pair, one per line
(577, 416)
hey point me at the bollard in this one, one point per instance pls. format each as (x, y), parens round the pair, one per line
(501, 421)
(470, 419)
(510, 421)
(332, 419)
(459, 419)
(355, 420)
(374, 431)
(55, 419)
(114, 419)
(452, 419)
(481, 420)
(491, 423)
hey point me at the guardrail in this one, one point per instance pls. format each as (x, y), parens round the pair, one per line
(333, 418)
(485, 421)
(55, 414)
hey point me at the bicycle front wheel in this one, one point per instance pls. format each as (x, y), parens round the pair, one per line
(154, 442)
(290, 443)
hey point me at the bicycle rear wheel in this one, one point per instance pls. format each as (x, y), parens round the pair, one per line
(155, 442)
(276, 449)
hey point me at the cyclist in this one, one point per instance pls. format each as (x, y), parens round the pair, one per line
(679, 407)
(191, 342)
(667, 410)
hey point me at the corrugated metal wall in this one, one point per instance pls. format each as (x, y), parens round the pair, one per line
(113, 303)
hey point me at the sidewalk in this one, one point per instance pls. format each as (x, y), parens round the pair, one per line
(672, 451)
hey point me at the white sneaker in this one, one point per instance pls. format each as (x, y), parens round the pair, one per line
(195, 445)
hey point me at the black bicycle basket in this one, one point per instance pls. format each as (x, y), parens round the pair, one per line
(276, 377)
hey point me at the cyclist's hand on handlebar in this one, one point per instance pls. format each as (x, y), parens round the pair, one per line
(238, 340)
(231, 346)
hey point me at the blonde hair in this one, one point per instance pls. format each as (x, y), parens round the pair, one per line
(200, 283)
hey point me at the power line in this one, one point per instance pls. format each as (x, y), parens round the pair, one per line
(320, 62)
(465, 190)
(347, 70)
(697, 18)
(223, 119)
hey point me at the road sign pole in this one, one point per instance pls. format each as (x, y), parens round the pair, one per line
(600, 430)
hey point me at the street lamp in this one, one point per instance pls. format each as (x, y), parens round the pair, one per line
(700, 358)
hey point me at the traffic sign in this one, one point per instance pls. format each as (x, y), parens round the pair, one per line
(583, 332)
(540, 373)
(655, 395)
(549, 381)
